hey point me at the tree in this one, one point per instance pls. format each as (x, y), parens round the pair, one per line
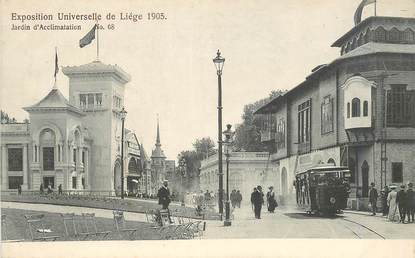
(248, 135)
(204, 147)
(5, 118)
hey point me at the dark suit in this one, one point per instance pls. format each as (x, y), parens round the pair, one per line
(164, 197)
(410, 203)
(401, 201)
(257, 200)
(373, 198)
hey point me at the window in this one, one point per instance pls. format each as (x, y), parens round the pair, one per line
(397, 172)
(327, 115)
(74, 155)
(280, 139)
(15, 181)
(304, 121)
(355, 107)
(400, 106)
(365, 108)
(48, 158)
(117, 102)
(98, 99)
(348, 109)
(15, 157)
(90, 100)
(74, 182)
(49, 180)
(82, 100)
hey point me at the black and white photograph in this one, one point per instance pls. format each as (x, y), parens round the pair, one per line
(207, 128)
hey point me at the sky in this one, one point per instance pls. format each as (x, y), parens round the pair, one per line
(267, 45)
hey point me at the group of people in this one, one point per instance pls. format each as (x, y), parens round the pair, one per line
(236, 198)
(257, 200)
(49, 189)
(396, 205)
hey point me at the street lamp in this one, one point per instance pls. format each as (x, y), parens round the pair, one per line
(219, 62)
(123, 114)
(228, 141)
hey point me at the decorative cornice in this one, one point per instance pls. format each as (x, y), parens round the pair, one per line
(97, 68)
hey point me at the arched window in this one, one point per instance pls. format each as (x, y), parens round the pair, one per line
(348, 109)
(355, 107)
(365, 108)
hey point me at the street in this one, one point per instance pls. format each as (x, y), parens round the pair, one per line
(293, 223)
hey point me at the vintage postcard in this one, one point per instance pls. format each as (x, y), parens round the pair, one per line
(207, 128)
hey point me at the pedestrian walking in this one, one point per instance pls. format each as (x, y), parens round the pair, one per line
(60, 189)
(257, 200)
(164, 197)
(401, 201)
(410, 201)
(238, 198)
(271, 201)
(373, 198)
(41, 190)
(233, 198)
(392, 216)
(384, 197)
(50, 189)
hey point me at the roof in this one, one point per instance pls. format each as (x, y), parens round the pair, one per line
(97, 67)
(54, 100)
(381, 20)
(366, 49)
(375, 47)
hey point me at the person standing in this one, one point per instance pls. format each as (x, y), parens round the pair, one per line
(41, 190)
(164, 198)
(384, 196)
(60, 189)
(238, 198)
(233, 198)
(410, 202)
(373, 198)
(401, 201)
(257, 200)
(19, 189)
(271, 202)
(392, 203)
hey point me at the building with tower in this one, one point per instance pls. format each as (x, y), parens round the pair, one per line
(76, 142)
(357, 111)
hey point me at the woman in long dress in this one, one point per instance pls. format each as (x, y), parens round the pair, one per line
(393, 209)
(271, 201)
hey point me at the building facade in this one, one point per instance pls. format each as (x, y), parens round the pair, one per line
(75, 142)
(357, 111)
(246, 171)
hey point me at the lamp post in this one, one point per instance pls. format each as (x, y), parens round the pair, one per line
(228, 141)
(219, 62)
(123, 114)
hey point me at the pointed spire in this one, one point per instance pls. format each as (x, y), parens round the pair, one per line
(158, 132)
(56, 68)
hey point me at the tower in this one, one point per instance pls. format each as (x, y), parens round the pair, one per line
(158, 164)
(97, 89)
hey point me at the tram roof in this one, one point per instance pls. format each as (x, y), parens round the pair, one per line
(325, 169)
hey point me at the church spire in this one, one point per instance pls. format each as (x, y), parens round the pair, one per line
(158, 132)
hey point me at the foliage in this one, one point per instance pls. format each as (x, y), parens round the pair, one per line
(247, 135)
(5, 118)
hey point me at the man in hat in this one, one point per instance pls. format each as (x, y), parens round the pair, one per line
(164, 198)
(373, 198)
(410, 199)
(401, 201)
(257, 200)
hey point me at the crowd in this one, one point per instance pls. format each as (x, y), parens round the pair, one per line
(396, 205)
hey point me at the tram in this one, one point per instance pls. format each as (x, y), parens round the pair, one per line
(323, 189)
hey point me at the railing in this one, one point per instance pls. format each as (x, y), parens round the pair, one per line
(237, 156)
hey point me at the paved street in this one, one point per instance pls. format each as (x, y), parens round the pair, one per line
(284, 223)
(292, 223)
